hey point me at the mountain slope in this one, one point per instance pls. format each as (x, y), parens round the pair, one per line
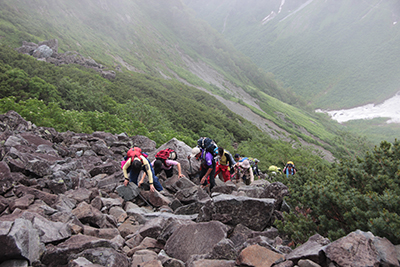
(162, 38)
(336, 54)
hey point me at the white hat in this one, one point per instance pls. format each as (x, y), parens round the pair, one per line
(195, 151)
(245, 164)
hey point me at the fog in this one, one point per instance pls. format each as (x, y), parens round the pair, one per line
(389, 109)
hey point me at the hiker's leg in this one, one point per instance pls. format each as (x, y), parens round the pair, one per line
(225, 173)
(169, 172)
(133, 177)
(203, 172)
(157, 184)
(212, 176)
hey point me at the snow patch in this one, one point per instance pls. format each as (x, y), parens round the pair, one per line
(388, 109)
(268, 18)
(272, 15)
(297, 10)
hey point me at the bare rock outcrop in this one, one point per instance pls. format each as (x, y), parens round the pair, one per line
(48, 51)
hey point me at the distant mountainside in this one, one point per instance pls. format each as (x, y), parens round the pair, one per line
(163, 39)
(335, 54)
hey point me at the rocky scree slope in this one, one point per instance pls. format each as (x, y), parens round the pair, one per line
(59, 207)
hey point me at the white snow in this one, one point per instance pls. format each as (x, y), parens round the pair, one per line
(388, 109)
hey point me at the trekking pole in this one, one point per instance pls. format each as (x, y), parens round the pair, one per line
(190, 169)
(140, 194)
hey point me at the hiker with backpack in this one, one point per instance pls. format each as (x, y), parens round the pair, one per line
(254, 166)
(238, 159)
(246, 171)
(225, 163)
(289, 169)
(274, 170)
(136, 163)
(256, 171)
(207, 166)
(165, 161)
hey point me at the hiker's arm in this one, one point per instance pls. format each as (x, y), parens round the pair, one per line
(179, 170)
(142, 180)
(206, 175)
(124, 169)
(149, 173)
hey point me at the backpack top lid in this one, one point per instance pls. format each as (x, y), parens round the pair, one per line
(208, 144)
(135, 152)
(290, 164)
(167, 153)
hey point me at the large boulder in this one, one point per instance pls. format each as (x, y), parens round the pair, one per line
(362, 249)
(195, 239)
(232, 210)
(20, 240)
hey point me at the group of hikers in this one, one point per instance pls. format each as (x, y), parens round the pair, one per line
(214, 161)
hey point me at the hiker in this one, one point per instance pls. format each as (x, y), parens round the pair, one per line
(167, 166)
(289, 169)
(256, 171)
(238, 159)
(207, 166)
(159, 165)
(165, 160)
(274, 170)
(246, 171)
(137, 163)
(225, 163)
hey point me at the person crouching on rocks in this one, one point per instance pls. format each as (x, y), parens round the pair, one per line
(246, 171)
(207, 166)
(139, 164)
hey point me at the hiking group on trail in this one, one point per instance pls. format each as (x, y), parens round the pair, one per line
(214, 161)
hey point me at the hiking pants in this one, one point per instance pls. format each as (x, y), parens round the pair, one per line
(211, 178)
(225, 172)
(133, 177)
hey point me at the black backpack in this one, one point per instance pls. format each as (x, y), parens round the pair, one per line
(208, 145)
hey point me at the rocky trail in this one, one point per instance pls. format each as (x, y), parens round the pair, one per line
(59, 206)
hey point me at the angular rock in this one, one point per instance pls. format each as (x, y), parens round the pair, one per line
(104, 257)
(20, 240)
(194, 239)
(353, 250)
(258, 256)
(312, 250)
(233, 210)
(59, 255)
(128, 192)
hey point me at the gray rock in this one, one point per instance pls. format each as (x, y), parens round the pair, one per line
(312, 250)
(20, 240)
(128, 192)
(353, 250)
(233, 210)
(194, 239)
